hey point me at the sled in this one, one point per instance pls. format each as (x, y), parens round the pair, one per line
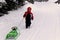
(13, 34)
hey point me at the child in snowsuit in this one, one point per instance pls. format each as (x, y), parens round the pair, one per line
(28, 17)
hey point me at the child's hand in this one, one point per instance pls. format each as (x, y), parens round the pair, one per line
(32, 18)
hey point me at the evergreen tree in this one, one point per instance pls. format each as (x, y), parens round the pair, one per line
(31, 1)
(58, 1)
(20, 2)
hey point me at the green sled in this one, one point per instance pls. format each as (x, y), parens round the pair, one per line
(12, 34)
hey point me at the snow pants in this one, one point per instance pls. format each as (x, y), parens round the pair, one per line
(28, 23)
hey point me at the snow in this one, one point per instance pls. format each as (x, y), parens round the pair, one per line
(2, 0)
(45, 25)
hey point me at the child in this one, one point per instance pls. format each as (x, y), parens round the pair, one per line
(28, 16)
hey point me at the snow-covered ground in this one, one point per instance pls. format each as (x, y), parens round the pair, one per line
(2, 0)
(45, 26)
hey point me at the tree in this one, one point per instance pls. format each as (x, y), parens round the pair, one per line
(31, 1)
(58, 1)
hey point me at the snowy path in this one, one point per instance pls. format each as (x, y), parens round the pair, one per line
(45, 25)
